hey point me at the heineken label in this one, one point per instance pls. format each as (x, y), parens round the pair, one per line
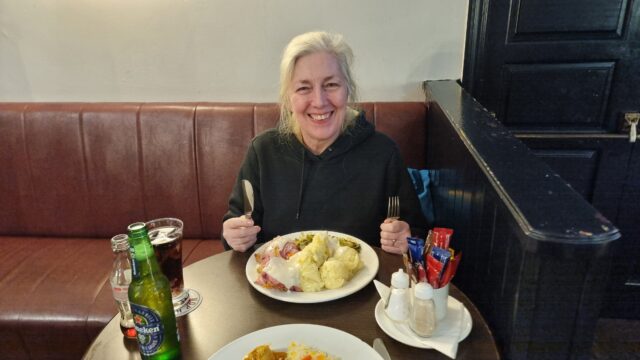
(149, 328)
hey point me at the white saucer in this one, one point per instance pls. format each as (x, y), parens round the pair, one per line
(450, 324)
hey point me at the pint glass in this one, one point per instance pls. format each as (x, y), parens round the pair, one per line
(166, 237)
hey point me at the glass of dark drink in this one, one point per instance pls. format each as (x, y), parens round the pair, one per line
(166, 237)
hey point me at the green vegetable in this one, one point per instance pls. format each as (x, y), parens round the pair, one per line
(306, 239)
(349, 243)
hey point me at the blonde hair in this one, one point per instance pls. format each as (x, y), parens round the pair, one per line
(307, 44)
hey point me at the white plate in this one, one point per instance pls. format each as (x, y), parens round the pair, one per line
(403, 333)
(332, 341)
(360, 280)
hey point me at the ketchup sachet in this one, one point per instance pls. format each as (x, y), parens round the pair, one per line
(437, 261)
(442, 237)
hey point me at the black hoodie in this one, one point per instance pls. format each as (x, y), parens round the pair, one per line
(344, 189)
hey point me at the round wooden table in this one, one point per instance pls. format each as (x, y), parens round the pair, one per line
(231, 308)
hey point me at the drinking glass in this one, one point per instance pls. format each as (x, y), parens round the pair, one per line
(166, 237)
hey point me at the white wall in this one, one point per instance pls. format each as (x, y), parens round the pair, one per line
(216, 50)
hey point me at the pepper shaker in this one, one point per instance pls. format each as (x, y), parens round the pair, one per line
(423, 312)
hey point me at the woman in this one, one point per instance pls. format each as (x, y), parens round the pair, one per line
(324, 167)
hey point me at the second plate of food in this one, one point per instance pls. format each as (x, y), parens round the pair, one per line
(360, 279)
(336, 343)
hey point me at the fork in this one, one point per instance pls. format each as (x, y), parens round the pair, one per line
(393, 208)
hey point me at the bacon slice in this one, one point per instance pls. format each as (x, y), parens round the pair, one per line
(262, 260)
(266, 281)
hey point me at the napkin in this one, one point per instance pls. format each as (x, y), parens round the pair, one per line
(383, 291)
(445, 339)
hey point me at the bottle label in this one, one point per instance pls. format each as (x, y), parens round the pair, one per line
(134, 262)
(120, 288)
(149, 327)
(120, 293)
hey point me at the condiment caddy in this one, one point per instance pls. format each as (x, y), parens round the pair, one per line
(454, 328)
(417, 310)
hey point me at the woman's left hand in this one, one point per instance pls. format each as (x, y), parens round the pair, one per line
(393, 236)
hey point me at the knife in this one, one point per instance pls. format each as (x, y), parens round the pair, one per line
(379, 347)
(247, 191)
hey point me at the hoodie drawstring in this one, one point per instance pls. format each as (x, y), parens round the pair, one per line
(301, 187)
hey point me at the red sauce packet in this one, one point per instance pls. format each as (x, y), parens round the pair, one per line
(437, 261)
(442, 237)
(433, 271)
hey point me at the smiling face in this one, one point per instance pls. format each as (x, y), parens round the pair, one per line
(318, 97)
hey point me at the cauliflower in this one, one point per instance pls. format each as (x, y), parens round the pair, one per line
(334, 273)
(310, 279)
(302, 257)
(350, 258)
(318, 248)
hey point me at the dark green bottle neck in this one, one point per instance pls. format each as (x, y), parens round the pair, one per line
(143, 258)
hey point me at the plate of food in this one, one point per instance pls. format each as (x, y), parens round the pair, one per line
(297, 341)
(312, 266)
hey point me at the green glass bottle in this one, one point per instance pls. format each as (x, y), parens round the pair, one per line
(150, 298)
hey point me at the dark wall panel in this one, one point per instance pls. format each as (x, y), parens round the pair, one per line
(568, 19)
(577, 167)
(556, 96)
(527, 262)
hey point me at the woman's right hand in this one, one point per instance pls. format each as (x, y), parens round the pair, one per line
(240, 233)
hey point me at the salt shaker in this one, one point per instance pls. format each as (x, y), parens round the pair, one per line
(423, 312)
(398, 306)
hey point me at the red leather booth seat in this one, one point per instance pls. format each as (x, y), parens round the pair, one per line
(75, 174)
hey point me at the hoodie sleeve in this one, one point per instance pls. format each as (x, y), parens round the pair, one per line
(249, 170)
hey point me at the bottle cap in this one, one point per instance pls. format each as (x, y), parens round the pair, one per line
(423, 290)
(400, 279)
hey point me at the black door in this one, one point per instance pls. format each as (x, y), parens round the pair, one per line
(562, 75)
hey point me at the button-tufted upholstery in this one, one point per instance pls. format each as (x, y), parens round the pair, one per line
(75, 174)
